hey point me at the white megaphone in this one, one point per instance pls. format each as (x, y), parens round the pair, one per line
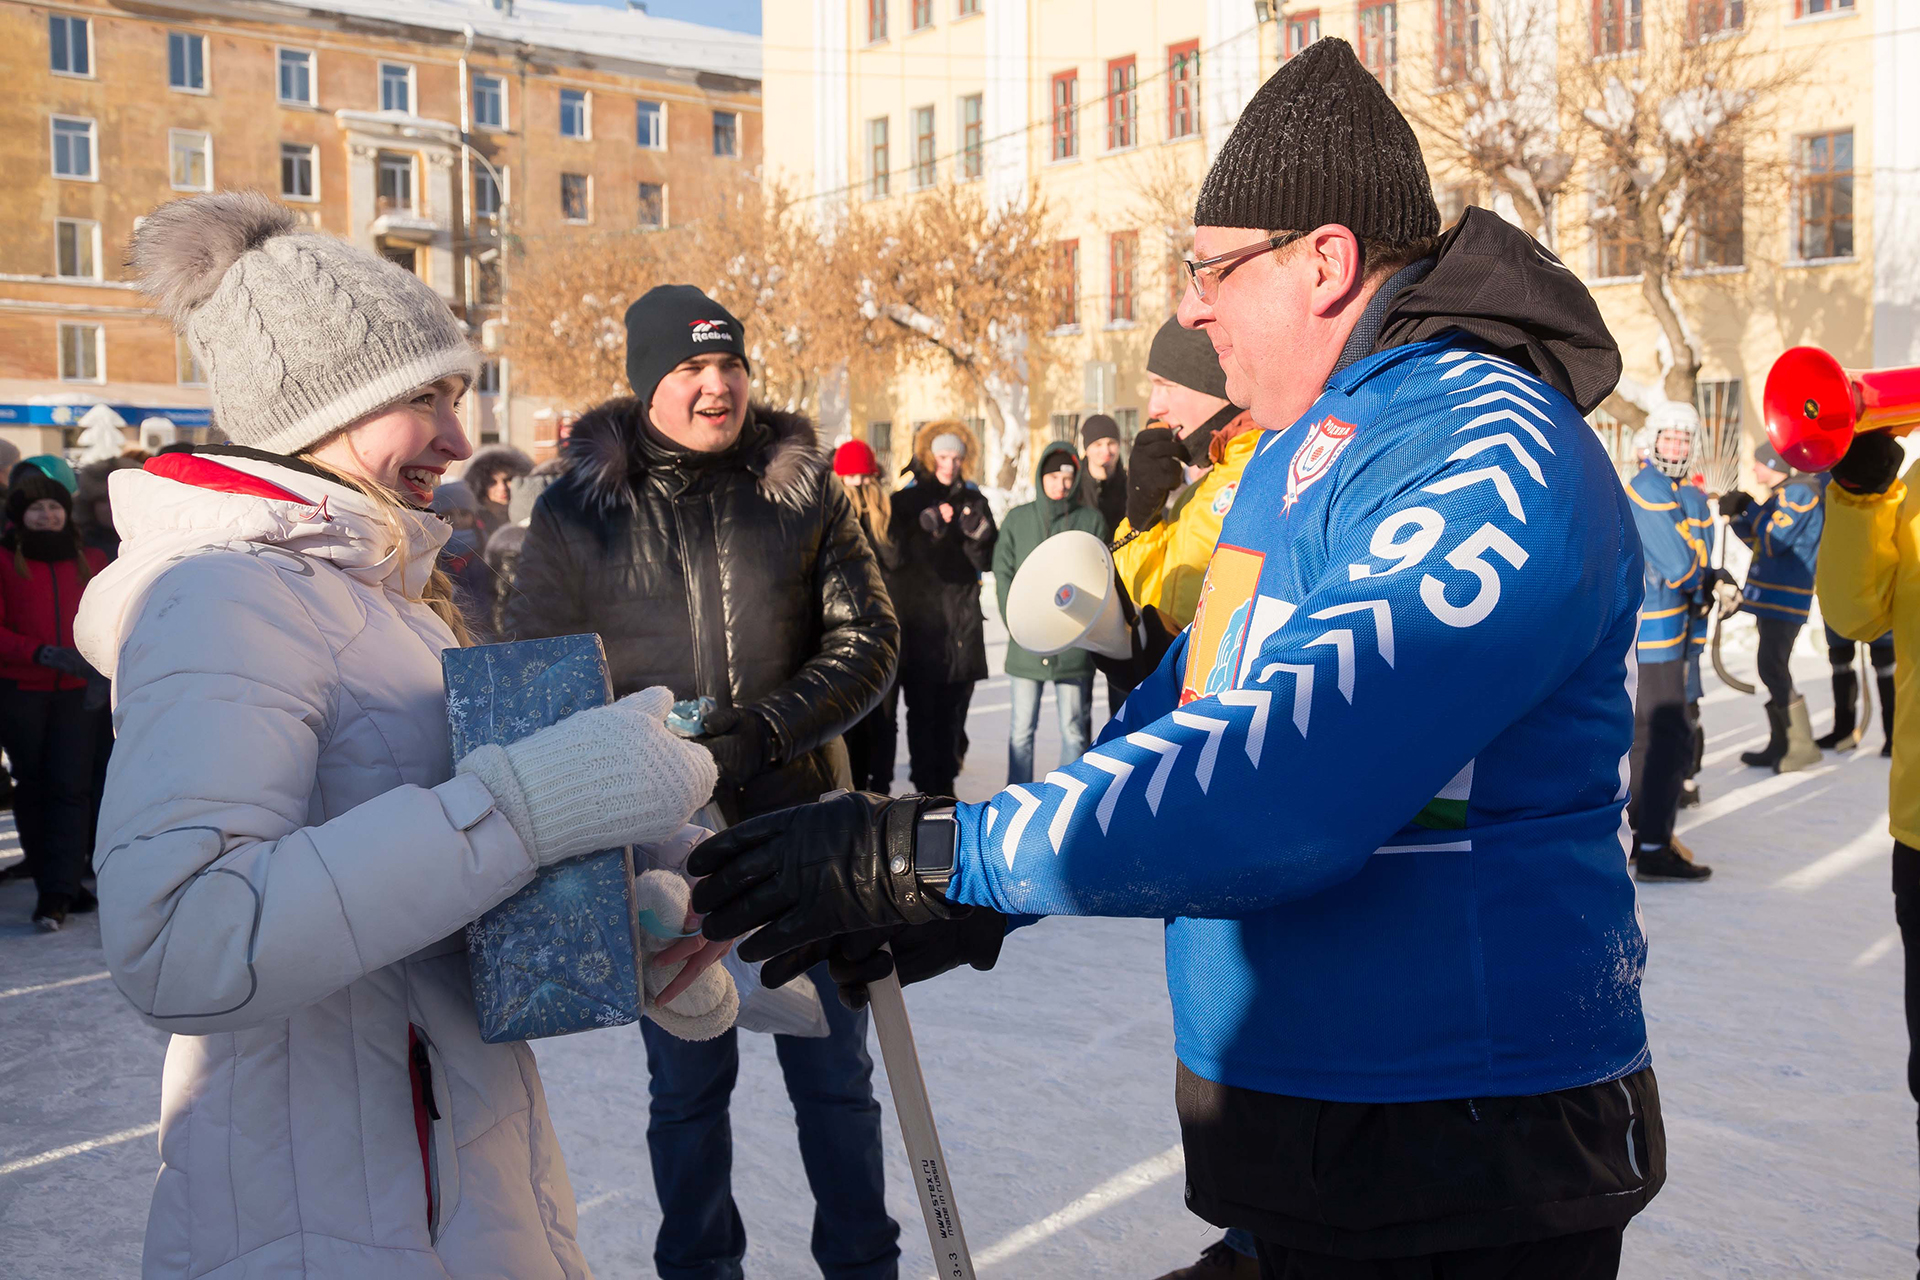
(1065, 596)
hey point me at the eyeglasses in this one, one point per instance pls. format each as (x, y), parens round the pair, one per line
(1207, 273)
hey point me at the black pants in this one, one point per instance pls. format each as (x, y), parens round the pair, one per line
(1589, 1255)
(49, 739)
(1662, 750)
(936, 732)
(1840, 652)
(1776, 648)
(873, 742)
(1906, 912)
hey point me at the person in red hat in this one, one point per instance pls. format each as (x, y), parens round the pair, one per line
(873, 742)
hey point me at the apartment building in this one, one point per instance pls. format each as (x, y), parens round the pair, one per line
(432, 132)
(1110, 109)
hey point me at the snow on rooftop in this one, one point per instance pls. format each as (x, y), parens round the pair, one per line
(575, 28)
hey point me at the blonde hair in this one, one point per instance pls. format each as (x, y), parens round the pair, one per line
(437, 594)
(871, 506)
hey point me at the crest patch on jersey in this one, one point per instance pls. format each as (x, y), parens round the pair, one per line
(1316, 456)
(1223, 500)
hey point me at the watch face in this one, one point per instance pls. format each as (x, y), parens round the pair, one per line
(934, 842)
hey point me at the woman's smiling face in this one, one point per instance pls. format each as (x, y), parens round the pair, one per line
(405, 447)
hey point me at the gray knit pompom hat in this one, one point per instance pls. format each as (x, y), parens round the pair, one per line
(299, 333)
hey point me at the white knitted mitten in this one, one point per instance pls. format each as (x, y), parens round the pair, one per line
(600, 779)
(708, 1007)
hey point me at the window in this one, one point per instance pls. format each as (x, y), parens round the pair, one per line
(653, 206)
(1457, 44)
(1616, 27)
(486, 282)
(576, 197)
(1824, 202)
(73, 147)
(1708, 18)
(190, 159)
(876, 20)
(1183, 90)
(973, 142)
(396, 87)
(923, 163)
(922, 14)
(1379, 41)
(965, 8)
(186, 366)
(1717, 238)
(1063, 427)
(1302, 30)
(1123, 252)
(726, 133)
(296, 77)
(486, 194)
(650, 124)
(1123, 105)
(1128, 420)
(489, 102)
(76, 249)
(186, 62)
(879, 163)
(1801, 8)
(573, 113)
(80, 353)
(72, 41)
(394, 178)
(297, 171)
(1066, 265)
(488, 383)
(1066, 115)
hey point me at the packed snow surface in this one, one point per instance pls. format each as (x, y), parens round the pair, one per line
(1773, 1002)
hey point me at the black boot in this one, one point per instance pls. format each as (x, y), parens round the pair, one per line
(1886, 712)
(1668, 864)
(1769, 755)
(1846, 713)
(50, 912)
(1219, 1262)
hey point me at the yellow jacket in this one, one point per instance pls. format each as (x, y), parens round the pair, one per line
(1868, 580)
(1166, 565)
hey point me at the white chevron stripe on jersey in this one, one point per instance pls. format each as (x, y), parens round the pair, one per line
(1473, 448)
(1203, 769)
(1497, 376)
(1063, 812)
(1497, 395)
(1302, 690)
(1508, 415)
(1121, 771)
(1342, 641)
(1261, 701)
(1496, 476)
(1382, 620)
(1029, 805)
(1168, 753)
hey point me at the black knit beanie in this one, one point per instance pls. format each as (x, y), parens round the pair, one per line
(671, 323)
(34, 485)
(1187, 357)
(1098, 427)
(1321, 143)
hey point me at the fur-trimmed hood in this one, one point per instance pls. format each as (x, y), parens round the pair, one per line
(608, 452)
(929, 432)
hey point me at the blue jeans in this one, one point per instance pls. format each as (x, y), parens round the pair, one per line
(690, 1140)
(1075, 701)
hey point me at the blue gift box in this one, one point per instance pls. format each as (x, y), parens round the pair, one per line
(558, 956)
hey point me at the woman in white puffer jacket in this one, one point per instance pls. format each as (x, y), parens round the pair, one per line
(287, 854)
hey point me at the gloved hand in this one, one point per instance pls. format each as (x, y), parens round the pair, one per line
(1155, 469)
(1720, 577)
(974, 517)
(807, 874)
(600, 779)
(934, 522)
(1734, 501)
(740, 741)
(1151, 640)
(63, 659)
(696, 1005)
(918, 952)
(1871, 464)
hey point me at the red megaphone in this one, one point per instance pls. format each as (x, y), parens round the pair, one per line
(1813, 406)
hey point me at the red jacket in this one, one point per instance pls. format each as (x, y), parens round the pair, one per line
(35, 610)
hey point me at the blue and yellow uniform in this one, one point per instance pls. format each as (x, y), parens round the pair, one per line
(1784, 532)
(1697, 524)
(1676, 565)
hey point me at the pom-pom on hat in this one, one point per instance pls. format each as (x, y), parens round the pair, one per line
(300, 333)
(1321, 143)
(855, 458)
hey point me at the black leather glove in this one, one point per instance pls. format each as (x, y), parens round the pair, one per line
(1151, 640)
(1871, 464)
(931, 521)
(1734, 501)
(917, 952)
(1716, 577)
(813, 872)
(740, 742)
(63, 659)
(974, 517)
(1155, 469)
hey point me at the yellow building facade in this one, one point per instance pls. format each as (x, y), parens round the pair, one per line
(422, 132)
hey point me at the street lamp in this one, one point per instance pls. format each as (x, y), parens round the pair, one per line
(490, 342)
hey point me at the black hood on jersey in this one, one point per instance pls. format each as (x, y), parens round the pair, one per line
(1492, 280)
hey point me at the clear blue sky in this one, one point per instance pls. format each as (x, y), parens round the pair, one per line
(734, 15)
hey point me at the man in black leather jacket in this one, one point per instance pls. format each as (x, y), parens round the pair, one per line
(704, 541)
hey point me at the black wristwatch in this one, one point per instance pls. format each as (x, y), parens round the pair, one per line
(936, 834)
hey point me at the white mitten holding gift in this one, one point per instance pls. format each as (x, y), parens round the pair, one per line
(708, 1007)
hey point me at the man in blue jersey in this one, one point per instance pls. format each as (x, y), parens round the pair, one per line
(1375, 788)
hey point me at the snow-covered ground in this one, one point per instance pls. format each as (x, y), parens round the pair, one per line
(1773, 997)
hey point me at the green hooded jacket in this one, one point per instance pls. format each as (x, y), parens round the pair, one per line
(1026, 527)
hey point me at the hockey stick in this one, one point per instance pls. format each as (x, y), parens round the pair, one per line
(910, 1103)
(1720, 611)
